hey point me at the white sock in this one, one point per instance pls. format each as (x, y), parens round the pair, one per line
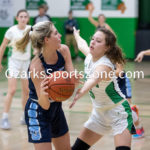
(134, 116)
(5, 115)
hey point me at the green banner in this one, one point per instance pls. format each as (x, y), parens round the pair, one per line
(34, 4)
(110, 4)
(79, 4)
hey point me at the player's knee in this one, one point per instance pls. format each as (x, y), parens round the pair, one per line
(123, 148)
(80, 145)
(12, 91)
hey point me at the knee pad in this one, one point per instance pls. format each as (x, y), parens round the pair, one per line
(80, 145)
(123, 148)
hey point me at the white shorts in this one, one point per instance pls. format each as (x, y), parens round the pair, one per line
(116, 119)
(17, 68)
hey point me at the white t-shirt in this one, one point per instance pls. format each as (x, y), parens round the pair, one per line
(13, 34)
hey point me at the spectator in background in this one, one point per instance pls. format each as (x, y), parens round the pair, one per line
(100, 23)
(69, 37)
(42, 16)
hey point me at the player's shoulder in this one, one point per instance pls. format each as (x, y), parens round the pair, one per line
(28, 26)
(12, 28)
(63, 49)
(48, 16)
(105, 61)
(36, 64)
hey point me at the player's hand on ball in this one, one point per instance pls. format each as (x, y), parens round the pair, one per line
(44, 87)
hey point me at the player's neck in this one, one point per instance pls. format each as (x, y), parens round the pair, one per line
(21, 27)
(50, 56)
(95, 58)
(102, 24)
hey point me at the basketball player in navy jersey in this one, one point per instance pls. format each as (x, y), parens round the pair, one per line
(45, 118)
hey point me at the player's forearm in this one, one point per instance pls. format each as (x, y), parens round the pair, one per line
(2, 48)
(90, 18)
(1, 53)
(89, 84)
(82, 44)
(146, 52)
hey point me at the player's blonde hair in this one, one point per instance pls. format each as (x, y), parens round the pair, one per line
(36, 34)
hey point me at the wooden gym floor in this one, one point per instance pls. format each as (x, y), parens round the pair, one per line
(16, 138)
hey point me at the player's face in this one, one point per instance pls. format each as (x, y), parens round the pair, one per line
(98, 44)
(101, 19)
(55, 38)
(22, 18)
(41, 11)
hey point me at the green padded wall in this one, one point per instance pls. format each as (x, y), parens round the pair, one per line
(124, 28)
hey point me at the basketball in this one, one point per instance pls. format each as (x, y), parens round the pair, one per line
(61, 86)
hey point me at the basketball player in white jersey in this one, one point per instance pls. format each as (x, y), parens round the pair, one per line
(111, 110)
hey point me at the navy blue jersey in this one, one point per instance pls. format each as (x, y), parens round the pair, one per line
(59, 66)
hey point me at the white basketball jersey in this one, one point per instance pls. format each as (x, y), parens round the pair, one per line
(106, 94)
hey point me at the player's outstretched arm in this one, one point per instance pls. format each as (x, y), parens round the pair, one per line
(81, 43)
(140, 56)
(90, 18)
(100, 73)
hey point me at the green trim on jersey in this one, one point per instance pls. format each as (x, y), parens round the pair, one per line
(85, 77)
(112, 93)
(92, 94)
(10, 51)
(127, 108)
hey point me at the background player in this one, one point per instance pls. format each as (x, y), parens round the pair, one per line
(18, 63)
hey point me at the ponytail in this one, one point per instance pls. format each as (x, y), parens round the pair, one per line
(22, 43)
(36, 34)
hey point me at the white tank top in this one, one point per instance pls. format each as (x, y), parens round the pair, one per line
(106, 94)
